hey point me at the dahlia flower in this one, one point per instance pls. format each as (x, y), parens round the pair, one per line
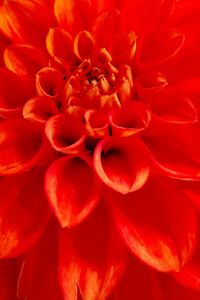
(100, 149)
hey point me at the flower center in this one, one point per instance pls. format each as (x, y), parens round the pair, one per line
(96, 83)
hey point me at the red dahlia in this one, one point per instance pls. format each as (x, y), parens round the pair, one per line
(100, 149)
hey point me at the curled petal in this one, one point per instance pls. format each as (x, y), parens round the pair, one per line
(167, 238)
(49, 83)
(96, 123)
(106, 26)
(40, 109)
(91, 258)
(74, 15)
(175, 150)
(59, 44)
(160, 46)
(66, 133)
(149, 83)
(72, 189)
(24, 213)
(130, 119)
(24, 60)
(13, 94)
(122, 163)
(84, 45)
(173, 107)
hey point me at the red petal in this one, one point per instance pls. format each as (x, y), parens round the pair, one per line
(74, 15)
(174, 291)
(19, 24)
(23, 212)
(172, 106)
(138, 282)
(184, 73)
(149, 83)
(40, 109)
(106, 26)
(13, 94)
(123, 48)
(59, 44)
(73, 189)
(21, 146)
(176, 150)
(186, 18)
(84, 45)
(24, 60)
(122, 163)
(39, 273)
(144, 16)
(101, 6)
(66, 133)
(157, 224)
(49, 83)
(132, 118)
(4, 42)
(190, 274)
(92, 257)
(159, 46)
(192, 190)
(8, 279)
(96, 123)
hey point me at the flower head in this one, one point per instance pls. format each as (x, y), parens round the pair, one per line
(100, 151)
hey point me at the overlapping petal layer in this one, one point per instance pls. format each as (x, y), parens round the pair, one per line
(99, 120)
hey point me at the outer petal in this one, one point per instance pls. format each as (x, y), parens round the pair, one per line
(19, 21)
(173, 107)
(39, 273)
(157, 224)
(176, 150)
(174, 291)
(73, 189)
(20, 147)
(138, 282)
(91, 257)
(24, 60)
(13, 93)
(144, 16)
(122, 163)
(184, 73)
(74, 15)
(159, 47)
(106, 26)
(190, 274)
(23, 213)
(8, 279)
